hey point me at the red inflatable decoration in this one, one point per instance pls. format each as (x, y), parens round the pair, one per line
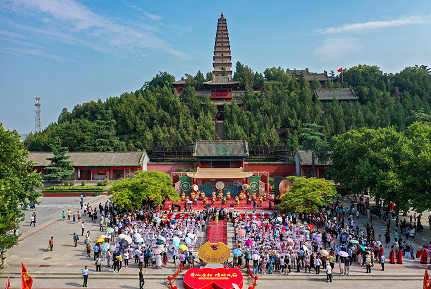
(221, 278)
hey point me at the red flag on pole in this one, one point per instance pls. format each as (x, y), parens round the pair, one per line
(427, 282)
(8, 282)
(340, 70)
(26, 280)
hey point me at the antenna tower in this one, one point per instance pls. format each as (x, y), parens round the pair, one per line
(37, 104)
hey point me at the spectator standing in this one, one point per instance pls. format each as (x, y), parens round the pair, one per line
(85, 275)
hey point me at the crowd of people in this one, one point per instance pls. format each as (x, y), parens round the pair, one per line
(270, 242)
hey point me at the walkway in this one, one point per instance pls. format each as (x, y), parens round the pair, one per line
(217, 232)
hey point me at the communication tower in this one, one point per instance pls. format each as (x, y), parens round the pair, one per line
(37, 104)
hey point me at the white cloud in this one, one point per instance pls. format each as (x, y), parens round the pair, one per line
(374, 25)
(73, 21)
(336, 49)
(152, 16)
(67, 10)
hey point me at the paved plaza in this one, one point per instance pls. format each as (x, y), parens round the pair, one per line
(61, 268)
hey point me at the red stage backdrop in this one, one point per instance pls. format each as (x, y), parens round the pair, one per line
(221, 278)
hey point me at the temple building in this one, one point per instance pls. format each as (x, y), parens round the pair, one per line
(221, 88)
(220, 167)
(310, 76)
(93, 166)
(327, 95)
(222, 54)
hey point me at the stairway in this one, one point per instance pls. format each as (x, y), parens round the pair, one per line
(217, 232)
(220, 129)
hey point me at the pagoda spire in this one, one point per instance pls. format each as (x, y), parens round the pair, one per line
(222, 54)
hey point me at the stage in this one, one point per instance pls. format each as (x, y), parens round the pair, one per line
(230, 204)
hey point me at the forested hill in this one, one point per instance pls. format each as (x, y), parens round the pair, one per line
(155, 116)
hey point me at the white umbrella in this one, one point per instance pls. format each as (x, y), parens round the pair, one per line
(121, 236)
(176, 239)
(190, 235)
(137, 235)
(128, 239)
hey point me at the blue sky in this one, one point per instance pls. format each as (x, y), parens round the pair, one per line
(73, 51)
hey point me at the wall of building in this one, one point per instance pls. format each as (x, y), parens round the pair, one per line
(168, 167)
(274, 169)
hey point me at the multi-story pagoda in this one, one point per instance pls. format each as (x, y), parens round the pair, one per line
(222, 54)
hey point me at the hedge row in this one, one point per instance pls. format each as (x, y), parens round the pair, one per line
(74, 188)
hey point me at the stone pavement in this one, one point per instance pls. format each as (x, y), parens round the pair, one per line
(61, 268)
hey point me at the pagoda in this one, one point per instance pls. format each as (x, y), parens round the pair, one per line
(222, 54)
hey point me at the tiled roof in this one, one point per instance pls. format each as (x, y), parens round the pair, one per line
(305, 159)
(179, 82)
(338, 93)
(309, 76)
(221, 148)
(92, 159)
(297, 71)
(217, 174)
(318, 76)
(221, 80)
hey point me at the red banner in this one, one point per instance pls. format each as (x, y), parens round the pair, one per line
(8, 282)
(220, 278)
(427, 282)
(26, 279)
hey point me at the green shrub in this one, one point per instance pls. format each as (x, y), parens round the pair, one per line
(100, 182)
(83, 183)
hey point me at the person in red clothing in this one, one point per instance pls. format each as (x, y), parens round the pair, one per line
(392, 256)
(424, 256)
(400, 256)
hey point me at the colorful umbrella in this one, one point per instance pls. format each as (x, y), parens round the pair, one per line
(249, 243)
(157, 220)
(255, 257)
(188, 241)
(343, 253)
(354, 242)
(237, 252)
(100, 240)
(137, 235)
(183, 247)
(104, 247)
(157, 251)
(102, 237)
(121, 236)
(124, 243)
(190, 235)
(161, 239)
(324, 253)
(241, 233)
(110, 230)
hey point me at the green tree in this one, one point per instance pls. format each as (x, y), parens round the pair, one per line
(145, 186)
(60, 168)
(307, 195)
(199, 80)
(313, 140)
(16, 187)
(105, 135)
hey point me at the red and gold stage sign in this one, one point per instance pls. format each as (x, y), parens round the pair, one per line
(220, 278)
(208, 255)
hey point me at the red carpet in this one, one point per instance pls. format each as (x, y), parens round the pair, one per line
(217, 232)
(200, 206)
